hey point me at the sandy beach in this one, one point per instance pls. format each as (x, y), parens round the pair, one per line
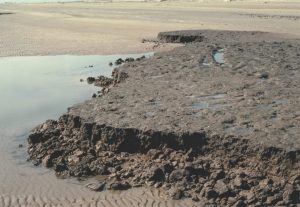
(121, 28)
(112, 28)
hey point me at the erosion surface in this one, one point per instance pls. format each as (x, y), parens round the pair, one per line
(216, 121)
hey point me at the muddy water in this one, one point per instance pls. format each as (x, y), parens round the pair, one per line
(32, 90)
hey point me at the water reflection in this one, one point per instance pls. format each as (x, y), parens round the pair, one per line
(36, 88)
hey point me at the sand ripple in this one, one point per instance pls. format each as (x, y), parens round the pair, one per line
(131, 198)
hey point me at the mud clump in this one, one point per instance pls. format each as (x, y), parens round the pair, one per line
(103, 81)
(120, 61)
(224, 171)
(225, 134)
(179, 37)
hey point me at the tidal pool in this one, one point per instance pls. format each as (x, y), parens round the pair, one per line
(34, 89)
(42, 87)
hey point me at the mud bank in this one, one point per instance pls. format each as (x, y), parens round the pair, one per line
(224, 134)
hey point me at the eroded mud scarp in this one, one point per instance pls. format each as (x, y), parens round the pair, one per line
(225, 134)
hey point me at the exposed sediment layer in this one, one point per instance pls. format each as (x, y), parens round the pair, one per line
(214, 36)
(223, 133)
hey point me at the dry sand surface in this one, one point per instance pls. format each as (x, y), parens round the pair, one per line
(109, 28)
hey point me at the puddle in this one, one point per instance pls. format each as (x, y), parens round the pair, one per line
(218, 56)
(216, 96)
(150, 114)
(214, 102)
(240, 130)
(280, 101)
(156, 76)
(205, 105)
(201, 105)
(264, 106)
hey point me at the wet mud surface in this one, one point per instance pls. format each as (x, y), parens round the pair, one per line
(216, 120)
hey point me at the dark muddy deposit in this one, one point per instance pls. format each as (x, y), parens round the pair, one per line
(224, 133)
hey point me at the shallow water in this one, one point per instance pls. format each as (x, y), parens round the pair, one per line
(213, 102)
(35, 88)
(32, 90)
(218, 56)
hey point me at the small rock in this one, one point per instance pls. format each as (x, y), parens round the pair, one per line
(158, 175)
(47, 162)
(158, 185)
(103, 81)
(177, 175)
(265, 182)
(120, 186)
(240, 203)
(195, 198)
(210, 193)
(219, 174)
(220, 187)
(35, 138)
(174, 163)
(73, 159)
(295, 179)
(128, 174)
(167, 168)
(249, 195)
(240, 183)
(119, 61)
(78, 153)
(60, 167)
(91, 80)
(272, 200)
(154, 153)
(291, 196)
(263, 75)
(228, 119)
(129, 59)
(96, 186)
(177, 194)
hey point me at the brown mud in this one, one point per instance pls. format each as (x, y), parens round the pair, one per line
(215, 121)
